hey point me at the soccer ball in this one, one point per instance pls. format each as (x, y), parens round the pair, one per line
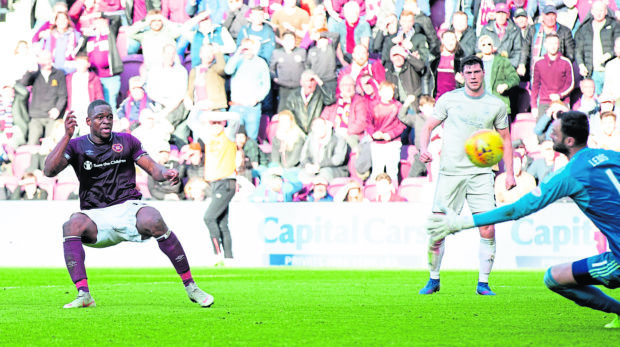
(484, 148)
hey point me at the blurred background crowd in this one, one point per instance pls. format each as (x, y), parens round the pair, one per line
(331, 94)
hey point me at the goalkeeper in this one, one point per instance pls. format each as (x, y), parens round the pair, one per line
(591, 178)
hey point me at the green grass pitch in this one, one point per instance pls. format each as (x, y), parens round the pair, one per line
(292, 307)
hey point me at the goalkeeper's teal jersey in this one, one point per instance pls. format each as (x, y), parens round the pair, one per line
(591, 178)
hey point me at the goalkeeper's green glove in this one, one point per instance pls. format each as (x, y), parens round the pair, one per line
(439, 226)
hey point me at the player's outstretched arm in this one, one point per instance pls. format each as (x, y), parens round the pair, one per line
(56, 161)
(159, 172)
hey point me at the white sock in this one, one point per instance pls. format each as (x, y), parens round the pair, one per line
(435, 254)
(487, 257)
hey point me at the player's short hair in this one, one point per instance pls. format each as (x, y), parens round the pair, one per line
(406, 13)
(92, 105)
(575, 124)
(471, 60)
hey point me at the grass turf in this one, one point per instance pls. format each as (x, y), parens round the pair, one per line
(292, 307)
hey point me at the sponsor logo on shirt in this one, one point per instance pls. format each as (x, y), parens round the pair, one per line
(117, 147)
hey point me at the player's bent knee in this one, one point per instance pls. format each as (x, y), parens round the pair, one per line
(77, 225)
(149, 222)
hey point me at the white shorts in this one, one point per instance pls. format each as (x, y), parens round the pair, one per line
(453, 191)
(116, 223)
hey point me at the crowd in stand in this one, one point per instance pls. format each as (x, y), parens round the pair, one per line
(331, 94)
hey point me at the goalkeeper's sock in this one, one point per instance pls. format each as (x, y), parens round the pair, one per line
(74, 259)
(582, 295)
(435, 255)
(171, 247)
(486, 254)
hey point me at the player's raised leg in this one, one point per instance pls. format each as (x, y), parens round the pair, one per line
(151, 224)
(575, 281)
(77, 229)
(486, 256)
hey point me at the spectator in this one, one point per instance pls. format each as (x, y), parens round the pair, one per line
(410, 37)
(321, 59)
(405, 71)
(28, 189)
(217, 130)
(522, 22)
(595, 43)
(249, 84)
(382, 37)
(21, 61)
(324, 153)
(306, 103)
(353, 31)
(48, 97)
(174, 10)
(316, 26)
(153, 34)
(167, 85)
(290, 18)
(533, 47)
(83, 87)
(83, 13)
(217, 7)
(192, 165)
(287, 142)
(104, 56)
(427, 107)
(609, 135)
(525, 182)
(153, 132)
(43, 13)
(611, 87)
(589, 104)
(499, 75)
(277, 185)
(348, 114)
(250, 158)
(235, 18)
(542, 167)
(12, 130)
(553, 77)
(259, 32)
(568, 15)
(61, 39)
(202, 30)
(351, 192)
(505, 34)
(196, 189)
(206, 82)
(137, 10)
(465, 35)
(336, 9)
(286, 66)
(385, 128)
(137, 100)
(447, 63)
(424, 22)
(386, 191)
(319, 191)
(165, 190)
(361, 65)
